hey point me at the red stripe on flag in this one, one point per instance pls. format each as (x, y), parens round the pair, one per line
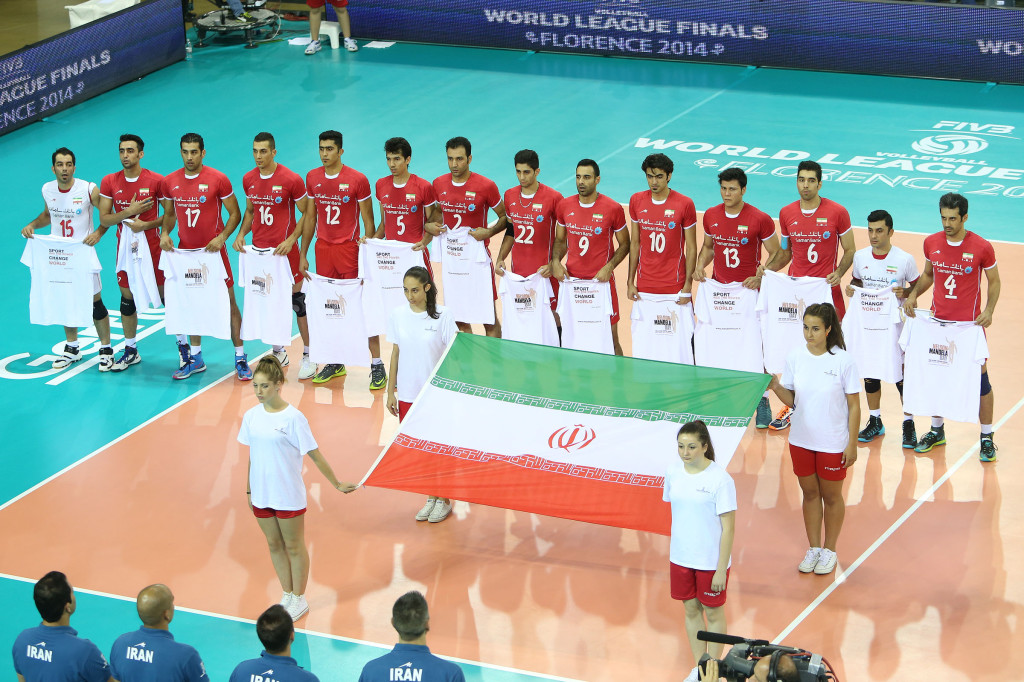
(529, 484)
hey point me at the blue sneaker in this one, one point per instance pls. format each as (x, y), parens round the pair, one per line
(183, 355)
(194, 366)
(242, 368)
(988, 449)
(782, 419)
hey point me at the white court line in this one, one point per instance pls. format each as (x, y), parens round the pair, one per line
(314, 633)
(841, 578)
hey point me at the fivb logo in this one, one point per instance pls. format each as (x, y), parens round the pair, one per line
(572, 438)
(970, 138)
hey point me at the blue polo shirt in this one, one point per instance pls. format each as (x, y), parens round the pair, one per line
(56, 653)
(151, 655)
(412, 662)
(271, 668)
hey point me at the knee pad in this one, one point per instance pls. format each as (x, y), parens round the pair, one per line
(986, 386)
(299, 304)
(127, 306)
(872, 385)
(99, 311)
(899, 387)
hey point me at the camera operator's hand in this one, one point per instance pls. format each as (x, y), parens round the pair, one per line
(710, 672)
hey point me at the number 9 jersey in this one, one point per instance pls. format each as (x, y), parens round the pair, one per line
(71, 211)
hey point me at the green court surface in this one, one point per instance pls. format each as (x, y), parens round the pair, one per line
(887, 143)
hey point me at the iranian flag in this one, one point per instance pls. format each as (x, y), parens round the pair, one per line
(560, 432)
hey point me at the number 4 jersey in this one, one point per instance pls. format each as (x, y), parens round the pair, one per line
(957, 269)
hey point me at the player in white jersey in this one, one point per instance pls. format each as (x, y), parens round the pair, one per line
(875, 267)
(68, 204)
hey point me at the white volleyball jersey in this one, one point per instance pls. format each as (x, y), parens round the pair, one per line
(781, 303)
(382, 267)
(195, 294)
(467, 276)
(871, 328)
(897, 268)
(526, 309)
(662, 329)
(71, 211)
(585, 308)
(942, 374)
(727, 334)
(136, 260)
(64, 274)
(337, 327)
(267, 308)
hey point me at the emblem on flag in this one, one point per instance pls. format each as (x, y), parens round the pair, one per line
(572, 438)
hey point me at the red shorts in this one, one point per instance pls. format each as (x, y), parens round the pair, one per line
(839, 302)
(827, 465)
(687, 583)
(337, 261)
(615, 301)
(320, 3)
(554, 296)
(261, 513)
(403, 409)
(154, 252)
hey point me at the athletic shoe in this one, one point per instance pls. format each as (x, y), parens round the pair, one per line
(244, 18)
(872, 430)
(313, 47)
(378, 377)
(931, 439)
(988, 449)
(781, 421)
(909, 434)
(306, 368)
(194, 366)
(694, 675)
(328, 372)
(826, 562)
(424, 513)
(130, 356)
(282, 357)
(298, 607)
(810, 560)
(106, 359)
(242, 367)
(286, 599)
(183, 355)
(764, 414)
(351, 45)
(69, 357)
(440, 511)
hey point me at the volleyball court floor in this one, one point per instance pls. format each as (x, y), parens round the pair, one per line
(125, 480)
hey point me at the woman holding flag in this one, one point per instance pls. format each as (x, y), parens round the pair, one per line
(419, 334)
(703, 499)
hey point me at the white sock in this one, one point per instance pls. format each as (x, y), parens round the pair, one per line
(73, 344)
(937, 422)
(876, 413)
(196, 349)
(986, 429)
(239, 351)
(277, 349)
(181, 339)
(376, 361)
(908, 417)
(305, 350)
(130, 343)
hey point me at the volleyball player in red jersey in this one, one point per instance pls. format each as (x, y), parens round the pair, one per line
(130, 197)
(530, 236)
(813, 228)
(192, 197)
(273, 192)
(591, 229)
(406, 201)
(663, 246)
(341, 196)
(955, 258)
(464, 198)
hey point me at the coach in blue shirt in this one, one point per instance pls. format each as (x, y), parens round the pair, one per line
(411, 659)
(150, 653)
(53, 651)
(276, 632)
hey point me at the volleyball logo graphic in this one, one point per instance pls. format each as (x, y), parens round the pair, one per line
(572, 438)
(950, 144)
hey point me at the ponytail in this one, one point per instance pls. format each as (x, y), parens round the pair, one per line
(826, 312)
(699, 429)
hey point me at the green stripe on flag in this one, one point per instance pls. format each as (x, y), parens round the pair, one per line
(591, 383)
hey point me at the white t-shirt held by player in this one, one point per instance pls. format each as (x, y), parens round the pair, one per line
(382, 267)
(871, 330)
(421, 341)
(820, 383)
(526, 309)
(337, 325)
(727, 334)
(468, 278)
(585, 309)
(196, 298)
(65, 276)
(277, 443)
(698, 500)
(267, 281)
(781, 303)
(942, 375)
(662, 329)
